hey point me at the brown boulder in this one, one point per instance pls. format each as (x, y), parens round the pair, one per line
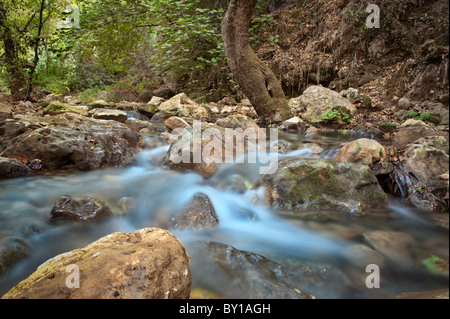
(148, 264)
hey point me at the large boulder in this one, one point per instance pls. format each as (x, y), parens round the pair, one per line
(148, 264)
(419, 175)
(69, 141)
(238, 121)
(316, 101)
(204, 147)
(318, 184)
(181, 105)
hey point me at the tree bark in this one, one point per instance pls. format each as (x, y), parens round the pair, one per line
(254, 77)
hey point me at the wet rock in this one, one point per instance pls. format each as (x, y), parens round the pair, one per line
(394, 245)
(363, 151)
(5, 112)
(10, 168)
(69, 141)
(198, 214)
(148, 264)
(83, 210)
(318, 184)
(235, 273)
(109, 114)
(316, 101)
(312, 133)
(205, 155)
(175, 122)
(181, 105)
(434, 294)
(241, 274)
(12, 250)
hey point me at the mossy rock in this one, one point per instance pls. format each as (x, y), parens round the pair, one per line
(318, 184)
(55, 108)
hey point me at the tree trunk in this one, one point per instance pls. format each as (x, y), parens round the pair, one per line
(254, 77)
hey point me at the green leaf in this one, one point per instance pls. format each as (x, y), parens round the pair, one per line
(436, 265)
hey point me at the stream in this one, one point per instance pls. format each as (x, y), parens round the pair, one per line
(326, 245)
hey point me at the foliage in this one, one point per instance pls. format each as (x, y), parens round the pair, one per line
(335, 115)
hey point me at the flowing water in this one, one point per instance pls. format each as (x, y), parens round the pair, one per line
(325, 241)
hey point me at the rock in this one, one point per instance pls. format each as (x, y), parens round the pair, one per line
(210, 151)
(228, 101)
(403, 103)
(147, 109)
(352, 95)
(10, 168)
(181, 105)
(99, 104)
(83, 210)
(109, 114)
(164, 93)
(148, 264)
(235, 273)
(293, 124)
(366, 102)
(362, 151)
(312, 133)
(410, 134)
(145, 96)
(238, 121)
(5, 112)
(242, 274)
(175, 122)
(198, 214)
(12, 250)
(138, 125)
(127, 106)
(156, 101)
(318, 184)
(394, 245)
(425, 160)
(69, 141)
(56, 107)
(434, 294)
(208, 164)
(413, 123)
(317, 101)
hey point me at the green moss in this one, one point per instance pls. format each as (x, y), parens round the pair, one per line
(59, 108)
